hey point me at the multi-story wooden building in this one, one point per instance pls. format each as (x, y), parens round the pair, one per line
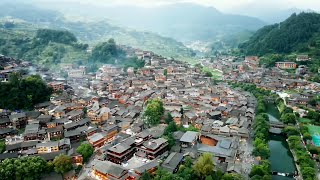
(48, 147)
(152, 148)
(57, 86)
(122, 151)
(111, 130)
(98, 139)
(286, 65)
(18, 120)
(106, 170)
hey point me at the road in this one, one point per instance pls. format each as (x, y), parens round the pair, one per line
(86, 170)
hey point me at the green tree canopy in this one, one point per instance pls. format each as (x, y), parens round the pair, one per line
(288, 118)
(2, 146)
(49, 35)
(23, 93)
(105, 52)
(154, 112)
(169, 118)
(62, 163)
(291, 130)
(86, 150)
(232, 176)
(23, 168)
(204, 165)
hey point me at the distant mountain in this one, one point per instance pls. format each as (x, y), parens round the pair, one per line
(299, 33)
(28, 13)
(183, 21)
(29, 18)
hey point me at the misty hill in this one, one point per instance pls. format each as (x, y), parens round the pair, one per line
(99, 31)
(29, 18)
(299, 33)
(184, 22)
(28, 13)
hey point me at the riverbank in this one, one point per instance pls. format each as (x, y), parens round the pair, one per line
(281, 158)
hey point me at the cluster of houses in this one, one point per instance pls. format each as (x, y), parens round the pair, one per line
(105, 109)
(276, 78)
(10, 65)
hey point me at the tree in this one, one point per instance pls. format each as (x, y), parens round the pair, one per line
(257, 170)
(185, 170)
(172, 127)
(86, 150)
(313, 102)
(307, 136)
(288, 118)
(23, 168)
(208, 74)
(181, 111)
(308, 173)
(105, 52)
(2, 146)
(261, 150)
(313, 115)
(165, 72)
(232, 176)
(204, 165)
(145, 176)
(169, 118)
(261, 169)
(62, 163)
(171, 140)
(162, 174)
(23, 93)
(287, 110)
(291, 130)
(154, 112)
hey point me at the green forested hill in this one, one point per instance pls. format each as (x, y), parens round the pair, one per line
(101, 31)
(50, 47)
(299, 33)
(43, 46)
(28, 18)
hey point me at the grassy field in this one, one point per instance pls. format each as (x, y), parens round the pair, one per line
(305, 120)
(314, 130)
(216, 74)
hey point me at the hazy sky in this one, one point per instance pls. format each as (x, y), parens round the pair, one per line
(223, 5)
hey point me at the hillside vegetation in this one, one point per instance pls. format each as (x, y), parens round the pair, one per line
(28, 18)
(51, 47)
(299, 33)
(100, 31)
(42, 46)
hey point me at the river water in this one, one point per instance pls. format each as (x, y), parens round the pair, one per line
(281, 158)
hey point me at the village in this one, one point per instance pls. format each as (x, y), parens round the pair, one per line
(106, 109)
(290, 85)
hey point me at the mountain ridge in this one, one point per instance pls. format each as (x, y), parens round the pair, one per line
(299, 33)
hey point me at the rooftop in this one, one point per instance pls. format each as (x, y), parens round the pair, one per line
(189, 136)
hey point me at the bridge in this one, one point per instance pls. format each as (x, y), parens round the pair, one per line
(275, 124)
(276, 127)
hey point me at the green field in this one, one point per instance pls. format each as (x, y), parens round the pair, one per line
(314, 130)
(216, 74)
(305, 120)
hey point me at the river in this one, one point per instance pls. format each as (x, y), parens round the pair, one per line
(281, 158)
